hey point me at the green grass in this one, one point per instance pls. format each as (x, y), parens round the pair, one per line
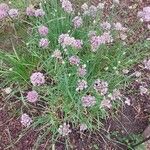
(62, 96)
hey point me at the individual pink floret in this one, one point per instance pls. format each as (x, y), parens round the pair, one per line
(67, 6)
(32, 96)
(39, 13)
(37, 79)
(64, 129)
(77, 21)
(30, 11)
(26, 120)
(74, 60)
(43, 30)
(43, 43)
(88, 101)
(13, 13)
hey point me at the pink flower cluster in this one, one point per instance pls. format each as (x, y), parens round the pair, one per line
(145, 14)
(43, 30)
(74, 60)
(4, 8)
(101, 86)
(77, 21)
(32, 96)
(88, 101)
(81, 71)
(57, 54)
(66, 40)
(67, 6)
(5, 11)
(146, 64)
(43, 43)
(37, 79)
(30, 11)
(26, 120)
(82, 84)
(13, 13)
(105, 25)
(64, 129)
(96, 41)
(118, 26)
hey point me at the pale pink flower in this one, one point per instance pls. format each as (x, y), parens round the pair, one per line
(118, 26)
(144, 14)
(77, 21)
(83, 127)
(127, 101)
(92, 11)
(101, 86)
(125, 71)
(30, 11)
(3, 14)
(43, 43)
(74, 60)
(143, 90)
(32, 96)
(82, 71)
(105, 25)
(77, 44)
(26, 120)
(37, 79)
(43, 30)
(13, 13)
(39, 13)
(82, 84)
(106, 103)
(64, 129)
(4, 7)
(147, 64)
(88, 101)
(67, 6)
(66, 40)
(57, 54)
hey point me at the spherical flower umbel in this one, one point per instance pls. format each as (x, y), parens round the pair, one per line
(64, 129)
(57, 54)
(67, 6)
(32, 96)
(146, 64)
(82, 84)
(37, 79)
(88, 101)
(26, 120)
(13, 13)
(83, 127)
(77, 21)
(81, 71)
(43, 43)
(39, 13)
(118, 26)
(30, 11)
(74, 60)
(43, 30)
(77, 44)
(105, 25)
(101, 86)
(145, 14)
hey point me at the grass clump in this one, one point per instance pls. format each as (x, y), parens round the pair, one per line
(80, 61)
